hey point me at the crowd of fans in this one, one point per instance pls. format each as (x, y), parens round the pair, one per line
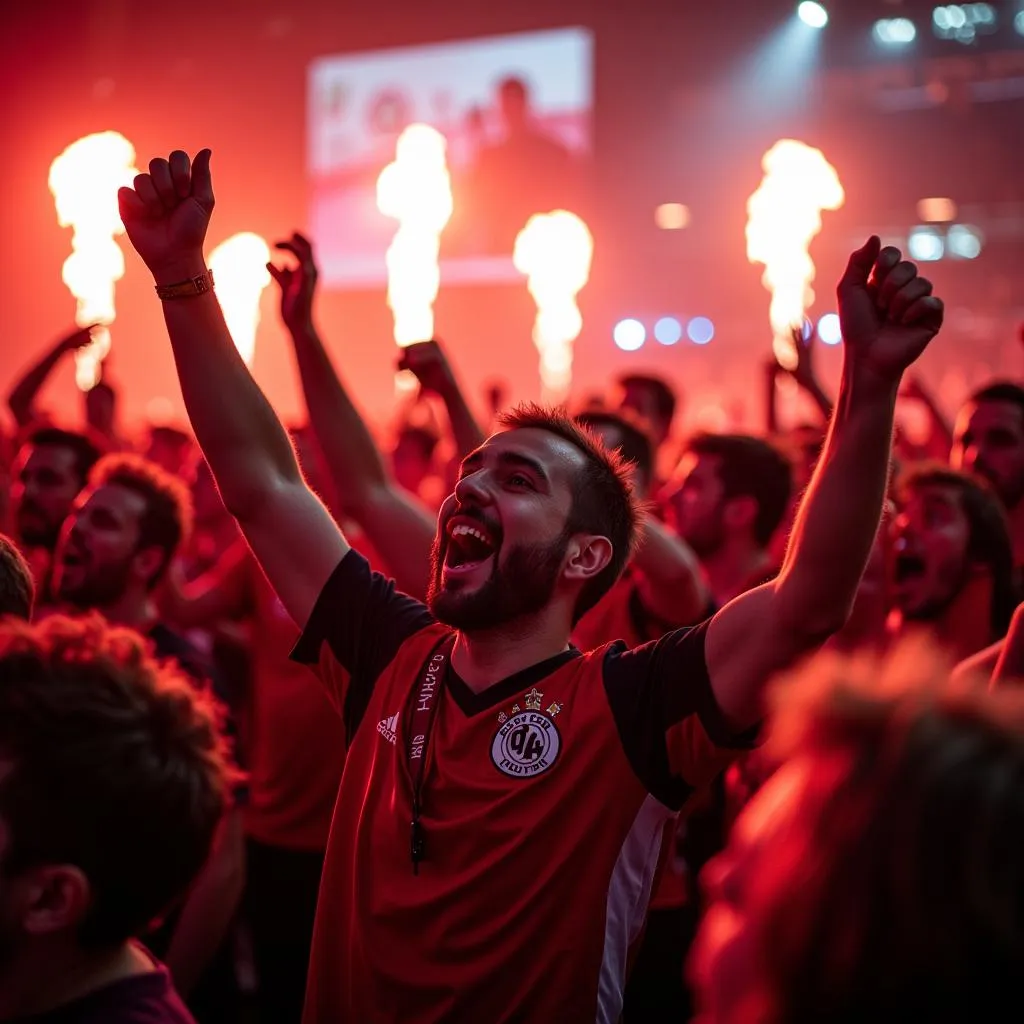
(193, 661)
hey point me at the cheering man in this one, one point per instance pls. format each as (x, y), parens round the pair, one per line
(499, 822)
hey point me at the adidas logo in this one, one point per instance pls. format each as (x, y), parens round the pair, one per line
(389, 728)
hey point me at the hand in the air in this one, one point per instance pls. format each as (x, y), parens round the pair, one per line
(297, 283)
(803, 373)
(167, 212)
(78, 338)
(888, 314)
(427, 361)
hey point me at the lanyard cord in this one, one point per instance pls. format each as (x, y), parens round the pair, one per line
(435, 674)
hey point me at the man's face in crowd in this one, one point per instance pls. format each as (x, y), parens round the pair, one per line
(989, 441)
(45, 485)
(696, 503)
(930, 561)
(98, 554)
(502, 536)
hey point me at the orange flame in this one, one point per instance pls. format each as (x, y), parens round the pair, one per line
(783, 216)
(416, 190)
(554, 251)
(84, 181)
(239, 266)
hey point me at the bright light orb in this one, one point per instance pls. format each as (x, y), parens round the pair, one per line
(629, 335)
(700, 330)
(812, 14)
(668, 330)
(829, 330)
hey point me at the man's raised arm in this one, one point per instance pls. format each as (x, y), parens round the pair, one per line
(398, 526)
(888, 317)
(294, 539)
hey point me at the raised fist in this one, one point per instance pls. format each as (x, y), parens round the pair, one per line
(297, 283)
(888, 314)
(427, 361)
(166, 215)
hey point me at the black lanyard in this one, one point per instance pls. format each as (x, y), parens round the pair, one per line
(427, 699)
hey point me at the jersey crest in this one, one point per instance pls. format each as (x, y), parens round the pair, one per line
(527, 743)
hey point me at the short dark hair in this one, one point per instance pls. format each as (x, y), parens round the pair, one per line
(86, 446)
(751, 467)
(664, 395)
(17, 590)
(119, 768)
(1000, 391)
(603, 502)
(167, 521)
(637, 444)
(989, 541)
(170, 435)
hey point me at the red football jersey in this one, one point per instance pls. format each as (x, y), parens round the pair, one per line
(544, 805)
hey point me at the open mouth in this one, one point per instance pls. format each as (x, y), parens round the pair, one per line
(908, 567)
(470, 544)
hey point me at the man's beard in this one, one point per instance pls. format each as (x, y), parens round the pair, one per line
(708, 539)
(98, 588)
(522, 586)
(952, 583)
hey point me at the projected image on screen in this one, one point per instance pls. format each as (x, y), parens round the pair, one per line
(515, 111)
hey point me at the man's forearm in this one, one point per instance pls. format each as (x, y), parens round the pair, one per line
(673, 587)
(23, 396)
(350, 452)
(838, 518)
(238, 431)
(466, 430)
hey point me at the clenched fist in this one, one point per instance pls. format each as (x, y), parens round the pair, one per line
(888, 313)
(166, 215)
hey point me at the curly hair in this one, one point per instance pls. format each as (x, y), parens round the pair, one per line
(167, 521)
(118, 767)
(17, 589)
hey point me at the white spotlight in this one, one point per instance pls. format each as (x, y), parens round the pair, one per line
(894, 31)
(964, 242)
(926, 244)
(668, 330)
(829, 330)
(629, 335)
(700, 330)
(813, 14)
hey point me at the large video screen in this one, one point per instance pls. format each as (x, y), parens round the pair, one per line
(515, 111)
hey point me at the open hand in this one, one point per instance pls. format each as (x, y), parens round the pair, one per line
(888, 314)
(297, 283)
(427, 361)
(167, 212)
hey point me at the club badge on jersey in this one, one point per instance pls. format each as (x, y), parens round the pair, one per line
(527, 743)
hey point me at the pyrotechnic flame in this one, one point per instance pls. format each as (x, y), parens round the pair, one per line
(554, 252)
(240, 274)
(783, 216)
(84, 181)
(416, 190)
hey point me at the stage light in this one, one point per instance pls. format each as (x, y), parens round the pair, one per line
(963, 242)
(829, 330)
(1018, 22)
(672, 216)
(812, 14)
(668, 330)
(629, 335)
(926, 244)
(239, 266)
(700, 330)
(937, 210)
(894, 31)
